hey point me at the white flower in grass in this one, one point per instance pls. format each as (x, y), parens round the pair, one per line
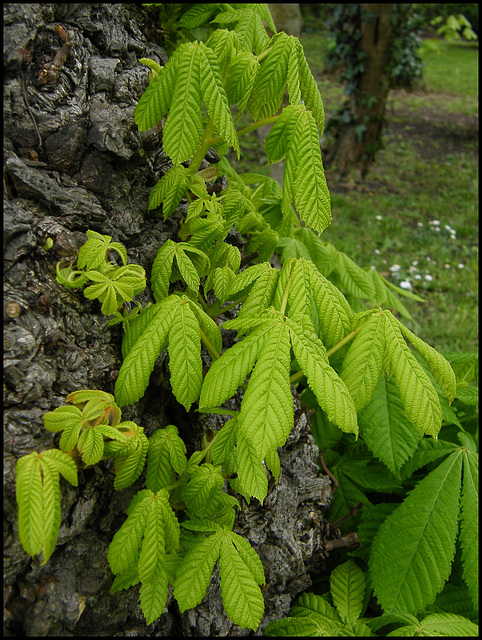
(379, 217)
(405, 284)
(453, 236)
(417, 276)
(428, 277)
(394, 268)
(461, 266)
(419, 224)
(377, 251)
(447, 266)
(435, 223)
(415, 262)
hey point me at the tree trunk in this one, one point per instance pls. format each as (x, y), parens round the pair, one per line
(74, 160)
(358, 141)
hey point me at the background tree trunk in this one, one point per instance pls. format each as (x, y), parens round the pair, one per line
(74, 160)
(357, 141)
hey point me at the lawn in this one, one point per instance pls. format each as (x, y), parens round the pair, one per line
(414, 217)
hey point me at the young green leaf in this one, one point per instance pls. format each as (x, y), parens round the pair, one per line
(385, 426)
(347, 588)
(413, 550)
(167, 453)
(230, 371)
(201, 492)
(194, 572)
(38, 499)
(139, 362)
(242, 598)
(363, 362)
(330, 391)
(163, 262)
(267, 407)
(304, 181)
(252, 480)
(130, 467)
(184, 126)
(418, 395)
(185, 362)
(440, 368)
(156, 99)
(94, 252)
(170, 189)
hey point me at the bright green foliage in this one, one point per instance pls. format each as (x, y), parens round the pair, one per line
(149, 534)
(386, 428)
(38, 499)
(173, 321)
(313, 615)
(310, 323)
(190, 77)
(167, 453)
(414, 548)
(112, 285)
(163, 265)
(379, 344)
(240, 570)
(86, 429)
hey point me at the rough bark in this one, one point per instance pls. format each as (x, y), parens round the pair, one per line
(74, 160)
(351, 149)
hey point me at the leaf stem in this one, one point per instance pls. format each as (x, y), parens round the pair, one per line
(206, 144)
(209, 346)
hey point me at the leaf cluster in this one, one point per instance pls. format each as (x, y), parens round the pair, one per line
(338, 613)
(112, 285)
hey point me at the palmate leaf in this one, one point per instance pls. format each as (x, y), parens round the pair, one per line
(412, 553)
(386, 428)
(38, 499)
(93, 253)
(163, 263)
